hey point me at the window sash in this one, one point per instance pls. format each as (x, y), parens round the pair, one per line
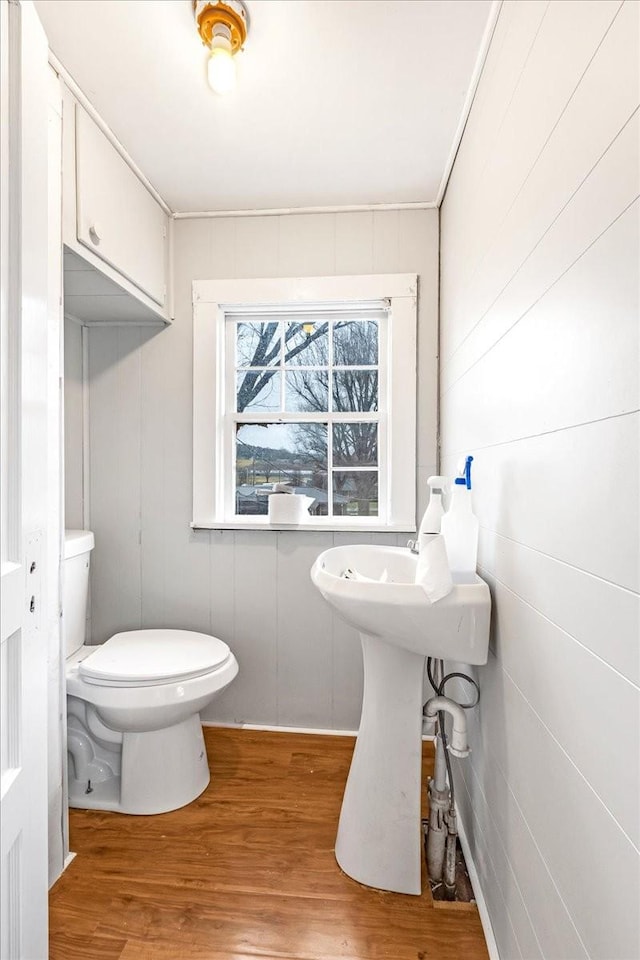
(232, 418)
(214, 428)
(309, 313)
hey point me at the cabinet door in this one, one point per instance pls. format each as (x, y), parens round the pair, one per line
(116, 216)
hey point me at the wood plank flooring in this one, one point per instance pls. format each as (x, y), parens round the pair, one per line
(246, 871)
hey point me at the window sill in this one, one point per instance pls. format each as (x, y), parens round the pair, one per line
(304, 527)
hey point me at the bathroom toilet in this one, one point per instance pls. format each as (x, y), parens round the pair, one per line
(135, 742)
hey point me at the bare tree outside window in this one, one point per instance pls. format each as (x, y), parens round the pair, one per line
(259, 345)
(336, 359)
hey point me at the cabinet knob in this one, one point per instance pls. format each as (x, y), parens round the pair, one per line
(95, 232)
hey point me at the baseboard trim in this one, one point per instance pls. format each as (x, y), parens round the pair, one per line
(485, 920)
(273, 728)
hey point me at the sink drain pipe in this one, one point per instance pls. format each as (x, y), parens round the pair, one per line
(458, 745)
(441, 840)
(439, 804)
(443, 828)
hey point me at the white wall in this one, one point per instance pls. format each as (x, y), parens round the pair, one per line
(539, 381)
(73, 419)
(298, 665)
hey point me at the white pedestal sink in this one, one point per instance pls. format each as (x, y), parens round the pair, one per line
(379, 836)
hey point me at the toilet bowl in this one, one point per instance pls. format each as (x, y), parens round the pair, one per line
(135, 741)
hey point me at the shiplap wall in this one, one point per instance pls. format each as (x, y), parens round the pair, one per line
(299, 665)
(73, 421)
(539, 381)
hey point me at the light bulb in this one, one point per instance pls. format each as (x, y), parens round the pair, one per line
(221, 70)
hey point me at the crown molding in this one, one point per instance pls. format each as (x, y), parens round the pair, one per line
(286, 211)
(481, 59)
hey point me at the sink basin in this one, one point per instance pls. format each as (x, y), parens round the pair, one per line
(379, 840)
(454, 628)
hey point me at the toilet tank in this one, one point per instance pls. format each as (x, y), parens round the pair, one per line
(78, 545)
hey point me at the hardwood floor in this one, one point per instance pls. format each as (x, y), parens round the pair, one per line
(245, 871)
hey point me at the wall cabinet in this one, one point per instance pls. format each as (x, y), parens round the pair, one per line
(116, 218)
(116, 228)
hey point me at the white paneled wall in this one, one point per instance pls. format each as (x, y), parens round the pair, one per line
(299, 666)
(539, 381)
(73, 420)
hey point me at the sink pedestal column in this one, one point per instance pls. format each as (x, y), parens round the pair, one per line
(379, 836)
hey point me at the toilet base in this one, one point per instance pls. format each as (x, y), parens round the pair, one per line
(161, 770)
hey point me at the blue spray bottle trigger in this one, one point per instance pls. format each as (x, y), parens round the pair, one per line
(467, 472)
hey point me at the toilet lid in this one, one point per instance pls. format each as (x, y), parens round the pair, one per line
(144, 657)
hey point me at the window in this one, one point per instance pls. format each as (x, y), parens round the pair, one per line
(309, 382)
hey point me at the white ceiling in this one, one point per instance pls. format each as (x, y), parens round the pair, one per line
(338, 102)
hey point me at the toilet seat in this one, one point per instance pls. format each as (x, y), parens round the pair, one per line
(143, 658)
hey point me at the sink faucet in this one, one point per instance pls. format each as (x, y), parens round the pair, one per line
(413, 546)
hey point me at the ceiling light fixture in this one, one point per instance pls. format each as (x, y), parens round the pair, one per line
(223, 26)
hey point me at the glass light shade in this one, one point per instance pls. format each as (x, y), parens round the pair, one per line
(221, 70)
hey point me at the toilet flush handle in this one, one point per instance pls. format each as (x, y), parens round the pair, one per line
(95, 232)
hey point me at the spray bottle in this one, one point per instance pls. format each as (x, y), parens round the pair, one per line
(430, 525)
(432, 569)
(460, 529)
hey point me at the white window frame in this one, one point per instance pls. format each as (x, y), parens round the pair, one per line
(213, 423)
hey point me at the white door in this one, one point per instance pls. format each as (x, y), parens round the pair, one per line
(23, 435)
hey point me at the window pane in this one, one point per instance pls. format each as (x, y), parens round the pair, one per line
(306, 344)
(355, 494)
(355, 444)
(268, 453)
(258, 390)
(307, 390)
(258, 344)
(355, 390)
(355, 343)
